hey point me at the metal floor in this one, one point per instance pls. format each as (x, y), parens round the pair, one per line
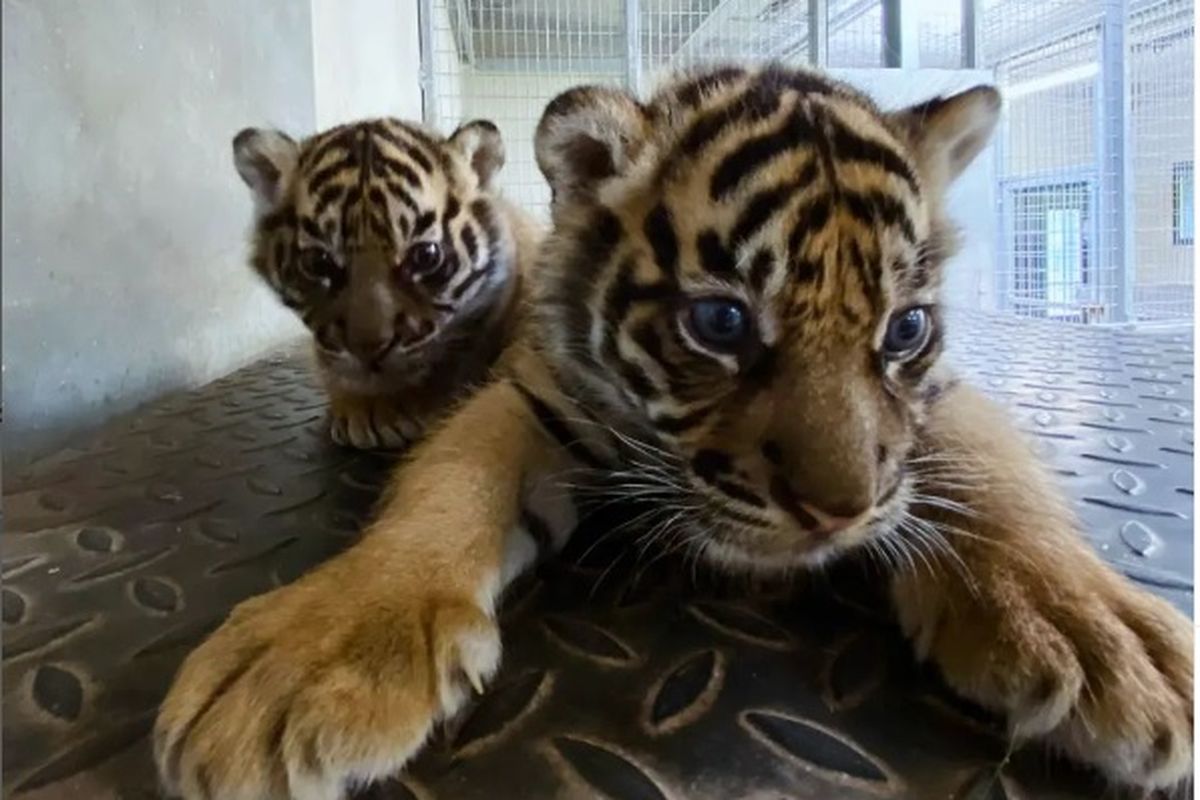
(633, 681)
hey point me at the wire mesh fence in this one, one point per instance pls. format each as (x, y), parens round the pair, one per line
(1093, 173)
(1161, 122)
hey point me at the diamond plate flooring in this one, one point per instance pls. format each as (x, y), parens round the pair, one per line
(625, 677)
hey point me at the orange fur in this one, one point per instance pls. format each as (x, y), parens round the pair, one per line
(340, 676)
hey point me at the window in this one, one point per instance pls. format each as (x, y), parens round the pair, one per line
(1183, 203)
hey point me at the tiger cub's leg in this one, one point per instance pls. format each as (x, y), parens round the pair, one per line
(341, 675)
(1025, 619)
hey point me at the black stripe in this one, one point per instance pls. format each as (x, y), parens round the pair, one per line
(376, 197)
(760, 267)
(758, 212)
(481, 210)
(327, 196)
(452, 208)
(338, 138)
(467, 234)
(593, 250)
(424, 222)
(848, 146)
(353, 196)
(636, 378)
(739, 492)
(625, 291)
(407, 148)
(779, 78)
(669, 423)
(811, 218)
(401, 170)
(804, 270)
(323, 176)
(400, 193)
(739, 516)
(430, 147)
(750, 106)
(753, 153)
(875, 207)
(405, 225)
(474, 277)
(309, 226)
(693, 91)
(622, 294)
(714, 256)
(645, 336)
(660, 232)
(558, 430)
(380, 228)
(859, 262)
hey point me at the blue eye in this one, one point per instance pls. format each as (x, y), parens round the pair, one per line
(718, 323)
(907, 332)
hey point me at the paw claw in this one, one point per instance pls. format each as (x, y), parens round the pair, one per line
(212, 738)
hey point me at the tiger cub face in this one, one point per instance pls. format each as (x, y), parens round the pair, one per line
(743, 273)
(382, 236)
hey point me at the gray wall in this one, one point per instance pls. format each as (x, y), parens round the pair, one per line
(124, 223)
(367, 60)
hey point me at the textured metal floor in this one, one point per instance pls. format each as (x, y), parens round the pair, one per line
(631, 682)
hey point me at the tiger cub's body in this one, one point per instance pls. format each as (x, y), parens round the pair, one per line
(736, 319)
(389, 243)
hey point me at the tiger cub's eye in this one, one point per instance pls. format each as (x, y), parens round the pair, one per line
(423, 258)
(719, 323)
(320, 267)
(907, 333)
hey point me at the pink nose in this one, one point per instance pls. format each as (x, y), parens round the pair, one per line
(811, 518)
(372, 349)
(823, 524)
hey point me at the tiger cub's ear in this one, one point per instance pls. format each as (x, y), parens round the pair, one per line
(586, 135)
(266, 160)
(947, 133)
(481, 143)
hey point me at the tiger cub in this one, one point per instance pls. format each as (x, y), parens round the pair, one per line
(392, 245)
(737, 314)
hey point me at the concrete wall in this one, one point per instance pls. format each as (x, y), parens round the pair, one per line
(124, 223)
(123, 220)
(366, 60)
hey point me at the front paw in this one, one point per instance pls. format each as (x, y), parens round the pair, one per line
(371, 423)
(1099, 668)
(314, 687)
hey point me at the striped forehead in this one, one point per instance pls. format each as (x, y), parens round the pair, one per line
(781, 181)
(349, 167)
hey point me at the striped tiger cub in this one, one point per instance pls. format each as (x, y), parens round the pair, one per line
(392, 246)
(736, 319)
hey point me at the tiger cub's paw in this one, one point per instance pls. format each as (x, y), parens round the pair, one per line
(1097, 667)
(371, 423)
(304, 691)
